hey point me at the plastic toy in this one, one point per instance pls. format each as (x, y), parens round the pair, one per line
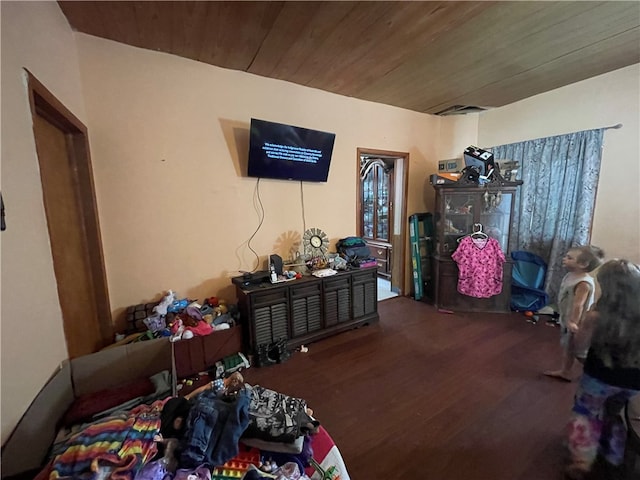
(531, 316)
(231, 364)
(233, 384)
(237, 466)
(331, 473)
(177, 329)
(178, 305)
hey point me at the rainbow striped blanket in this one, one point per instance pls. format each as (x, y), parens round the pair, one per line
(120, 444)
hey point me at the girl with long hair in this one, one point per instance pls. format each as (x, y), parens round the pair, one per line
(611, 371)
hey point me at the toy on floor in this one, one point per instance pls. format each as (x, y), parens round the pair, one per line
(230, 364)
(531, 317)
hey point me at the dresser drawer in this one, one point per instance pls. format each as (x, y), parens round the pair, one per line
(379, 252)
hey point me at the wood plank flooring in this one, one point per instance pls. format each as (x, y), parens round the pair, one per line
(424, 395)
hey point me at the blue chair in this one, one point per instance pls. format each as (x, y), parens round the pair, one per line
(527, 282)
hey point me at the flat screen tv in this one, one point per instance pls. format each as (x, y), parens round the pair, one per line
(289, 153)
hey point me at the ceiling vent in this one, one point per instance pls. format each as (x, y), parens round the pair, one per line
(460, 110)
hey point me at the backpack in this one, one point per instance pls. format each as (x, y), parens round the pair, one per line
(353, 248)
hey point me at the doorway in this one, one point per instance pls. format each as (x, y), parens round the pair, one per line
(382, 212)
(70, 206)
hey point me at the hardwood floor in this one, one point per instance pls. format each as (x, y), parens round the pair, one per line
(439, 396)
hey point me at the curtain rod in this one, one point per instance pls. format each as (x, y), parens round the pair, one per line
(616, 127)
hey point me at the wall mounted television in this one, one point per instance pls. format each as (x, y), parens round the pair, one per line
(286, 152)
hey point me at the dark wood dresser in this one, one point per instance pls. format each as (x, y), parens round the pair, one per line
(302, 311)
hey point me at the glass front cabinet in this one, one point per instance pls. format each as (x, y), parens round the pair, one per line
(460, 211)
(376, 205)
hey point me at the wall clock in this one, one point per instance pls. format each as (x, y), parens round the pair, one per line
(315, 242)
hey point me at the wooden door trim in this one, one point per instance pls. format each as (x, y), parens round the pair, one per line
(44, 104)
(399, 245)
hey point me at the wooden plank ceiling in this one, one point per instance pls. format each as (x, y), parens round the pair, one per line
(424, 56)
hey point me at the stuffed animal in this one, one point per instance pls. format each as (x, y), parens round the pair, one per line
(221, 308)
(167, 300)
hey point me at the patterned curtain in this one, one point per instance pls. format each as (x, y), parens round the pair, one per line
(554, 206)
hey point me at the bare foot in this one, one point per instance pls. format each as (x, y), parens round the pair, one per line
(559, 374)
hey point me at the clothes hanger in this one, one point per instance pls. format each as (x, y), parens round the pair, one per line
(476, 234)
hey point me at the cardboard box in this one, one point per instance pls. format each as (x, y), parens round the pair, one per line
(452, 165)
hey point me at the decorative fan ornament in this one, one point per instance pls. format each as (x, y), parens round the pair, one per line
(316, 243)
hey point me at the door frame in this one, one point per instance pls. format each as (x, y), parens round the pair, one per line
(44, 104)
(399, 234)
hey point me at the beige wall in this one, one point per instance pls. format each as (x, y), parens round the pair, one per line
(36, 36)
(598, 102)
(169, 140)
(457, 132)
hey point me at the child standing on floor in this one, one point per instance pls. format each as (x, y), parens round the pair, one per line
(611, 373)
(574, 300)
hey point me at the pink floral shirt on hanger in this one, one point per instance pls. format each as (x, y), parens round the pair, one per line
(480, 267)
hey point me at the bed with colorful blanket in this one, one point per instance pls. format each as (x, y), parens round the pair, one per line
(126, 444)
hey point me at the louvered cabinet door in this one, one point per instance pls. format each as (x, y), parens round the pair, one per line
(270, 317)
(306, 309)
(337, 300)
(365, 293)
